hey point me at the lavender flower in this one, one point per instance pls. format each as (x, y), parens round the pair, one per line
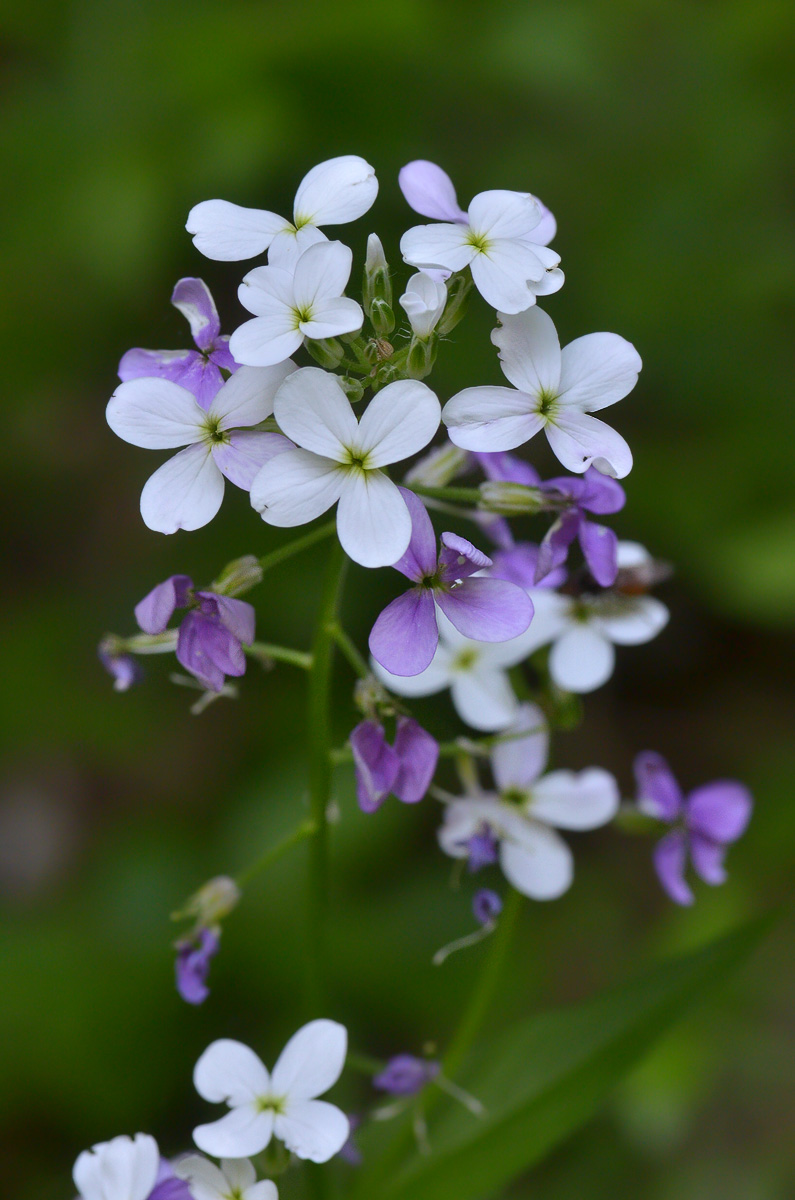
(595, 493)
(193, 964)
(405, 1075)
(707, 821)
(406, 768)
(405, 635)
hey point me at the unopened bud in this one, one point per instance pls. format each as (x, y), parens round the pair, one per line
(376, 285)
(326, 351)
(382, 318)
(214, 901)
(421, 357)
(458, 288)
(439, 467)
(511, 499)
(423, 302)
(238, 576)
(353, 388)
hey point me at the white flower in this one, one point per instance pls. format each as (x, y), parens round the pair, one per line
(291, 304)
(341, 459)
(423, 302)
(523, 817)
(124, 1168)
(282, 1104)
(186, 492)
(495, 240)
(333, 193)
(583, 629)
(556, 389)
(475, 672)
(236, 1179)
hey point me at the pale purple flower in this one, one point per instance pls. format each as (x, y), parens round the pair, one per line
(592, 492)
(405, 636)
(212, 634)
(482, 849)
(405, 1075)
(193, 964)
(486, 906)
(519, 564)
(706, 821)
(199, 370)
(122, 667)
(405, 769)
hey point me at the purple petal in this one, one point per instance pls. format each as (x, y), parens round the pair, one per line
(222, 356)
(123, 667)
(238, 616)
(242, 458)
(487, 610)
(376, 765)
(419, 561)
(154, 612)
(156, 364)
(429, 191)
(707, 858)
(486, 906)
(418, 754)
(168, 1186)
(404, 637)
(204, 380)
(520, 564)
(554, 549)
(503, 467)
(670, 855)
(659, 794)
(601, 493)
(481, 849)
(193, 299)
(600, 548)
(193, 965)
(459, 558)
(209, 651)
(405, 1075)
(719, 811)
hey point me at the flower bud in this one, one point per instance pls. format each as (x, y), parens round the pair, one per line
(423, 302)
(377, 284)
(214, 901)
(421, 357)
(439, 467)
(353, 388)
(458, 288)
(382, 318)
(238, 576)
(511, 499)
(326, 351)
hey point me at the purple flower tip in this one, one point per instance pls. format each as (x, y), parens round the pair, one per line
(486, 905)
(405, 1075)
(193, 965)
(481, 849)
(123, 667)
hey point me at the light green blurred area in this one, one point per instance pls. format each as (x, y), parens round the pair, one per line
(660, 135)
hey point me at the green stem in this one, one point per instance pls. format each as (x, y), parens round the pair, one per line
(457, 495)
(349, 650)
(269, 652)
(303, 543)
(320, 777)
(303, 831)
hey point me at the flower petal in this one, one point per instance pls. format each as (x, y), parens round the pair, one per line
(433, 679)
(155, 414)
(313, 410)
(581, 660)
(123, 1166)
(333, 317)
(670, 856)
(209, 651)
(311, 1062)
(484, 698)
(404, 637)
(529, 351)
(194, 300)
(418, 754)
(487, 610)
(459, 559)
(444, 245)
(503, 214)
(547, 227)
(373, 523)
(227, 233)
(599, 546)
(540, 865)
(154, 612)
(247, 397)
(206, 1181)
(321, 273)
(231, 1072)
(575, 800)
(295, 487)
(245, 454)
(517, 763)
(707, 859)
(289, 244)
(429, 191)
(336, 191)
(659, 793)
(419, 560)
(491, 418)
(239, 1133)
(719, 811)
(160, 364)
(375, 763)
(399, 421)
(313, 1130)
(631, 620)
(185, 493)
(504, 275)
(597, 370)
(580, 441)
(266, 341)
(240, 1173)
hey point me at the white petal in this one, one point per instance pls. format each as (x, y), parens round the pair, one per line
(333, 317)
(631, 620)
(267, 291)
(529, 351)
(540, 865)
(264, 1190)
(227, 233)
(155, 414)
(240, 1172)
(242, 458)
(551, 282)
(597, 370)
(288, 246)
(632, 554)
(569, 800)
(241, 1132)
(462, 818)
(433, 679)
(185, 493)
(230, 1071)
(550, 619)
(336, 191)
(581, 660)
(247, 396)
(313, 1129)
(206, 1181)
(504, 214)
(266, 341)
(491, 418)
(518, 762)
(484, 698)
(502, 274)
(311, 1062)
(440, 245)
(399, 421)
(321, 273)
(313, 410)
(580, 441)
(373, 522)
(123, 1166)
(295, 487)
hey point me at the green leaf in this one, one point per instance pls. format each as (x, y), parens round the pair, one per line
(545, 1076)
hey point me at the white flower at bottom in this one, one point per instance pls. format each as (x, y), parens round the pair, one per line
(282, 1104)
(124, 1168)
(235, 1180)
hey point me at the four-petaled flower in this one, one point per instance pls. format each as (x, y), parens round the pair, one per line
(332, 193)
(186, 492)
(282, 1104)
(341, 458)
(708, 820)
(405, 636)
(553, 390)
(502, 239)
(200, 370)
(406, 768)
(235, 1179)
(523, 817)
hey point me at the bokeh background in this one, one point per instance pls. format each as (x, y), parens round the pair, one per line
(660, 135)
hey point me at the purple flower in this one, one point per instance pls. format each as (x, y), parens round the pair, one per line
(486, 906)
(592, 492)
(405, 635)
(197, 370)
(168, 1186)
(405, 1075)
(123, 667)
(481, 849)
(212, 634)
(406, 768)
(707, 821)
(193, 964)
(519, 564)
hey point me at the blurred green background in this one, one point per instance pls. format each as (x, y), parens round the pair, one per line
(660, 135)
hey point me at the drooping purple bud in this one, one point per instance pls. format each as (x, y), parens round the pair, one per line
(405, 1075)
(376, 765)
(193, 965)
(418, 754)
(209, 650)
(486, 906)
(123, 667)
